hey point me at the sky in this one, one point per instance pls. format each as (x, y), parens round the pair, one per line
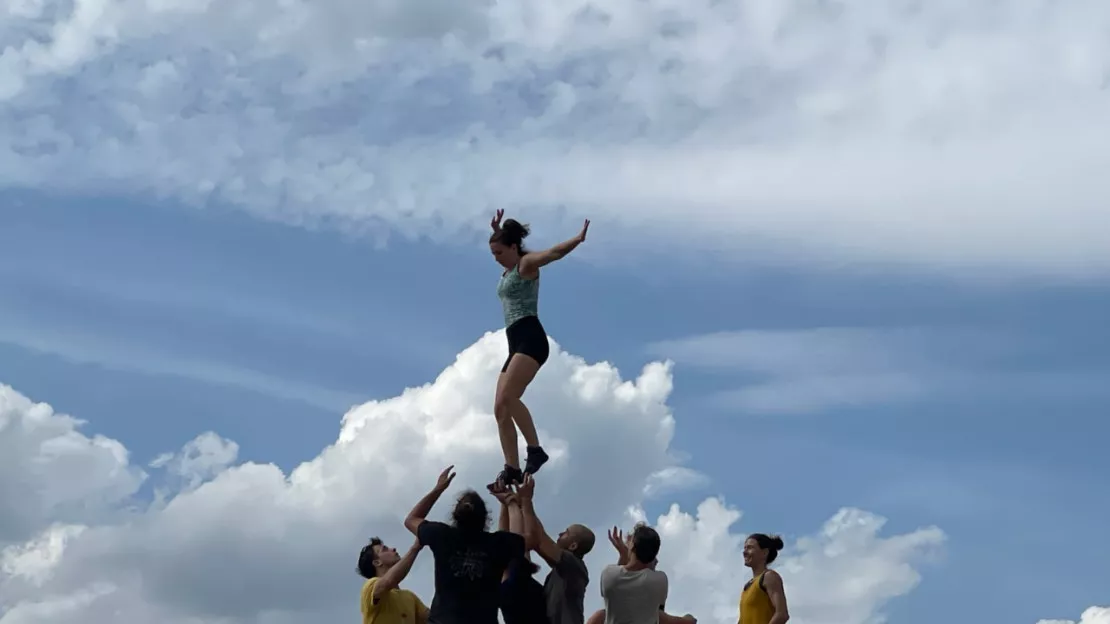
(846, 281)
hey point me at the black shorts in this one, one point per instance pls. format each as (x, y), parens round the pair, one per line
(528, 337)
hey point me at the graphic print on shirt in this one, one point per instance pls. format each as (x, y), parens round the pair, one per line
(469, 564)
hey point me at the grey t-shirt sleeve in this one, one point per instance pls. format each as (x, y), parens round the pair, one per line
(608, 575)
(662, 588)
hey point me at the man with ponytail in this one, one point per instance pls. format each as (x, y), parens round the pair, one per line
(469, 560)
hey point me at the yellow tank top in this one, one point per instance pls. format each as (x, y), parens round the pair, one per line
(755, 604)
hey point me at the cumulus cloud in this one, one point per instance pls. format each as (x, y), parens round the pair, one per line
(946, 135)
(241, 543)
(1093, 615)
(53, 471)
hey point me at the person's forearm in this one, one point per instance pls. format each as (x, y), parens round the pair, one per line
(516, 520)
(565, 247)
(778, 618)
(503, 522)
(423, 507)
(533, 528)
(393, 576)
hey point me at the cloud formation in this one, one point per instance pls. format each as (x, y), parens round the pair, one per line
(820, 368)
(943, 135)
(239, 543)
(1093, 615)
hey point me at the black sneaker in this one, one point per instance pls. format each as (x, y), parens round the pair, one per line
(535, 460)
(508, 476)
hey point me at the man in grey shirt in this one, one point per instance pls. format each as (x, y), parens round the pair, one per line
(565, 587)
(633, 590)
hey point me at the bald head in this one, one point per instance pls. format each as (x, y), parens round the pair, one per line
(578, 539)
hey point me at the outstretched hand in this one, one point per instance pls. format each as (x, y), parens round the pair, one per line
(445, 479)
(616, 538)
(495, 223)
(582, 235)
(525, 490)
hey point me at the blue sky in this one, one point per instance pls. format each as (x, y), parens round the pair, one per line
(870, 236)
(155, 322)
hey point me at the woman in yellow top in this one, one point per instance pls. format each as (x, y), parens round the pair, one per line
(763, 600)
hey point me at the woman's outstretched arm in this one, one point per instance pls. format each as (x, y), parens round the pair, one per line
(531, 262)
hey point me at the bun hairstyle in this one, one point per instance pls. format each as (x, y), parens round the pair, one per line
(512, 232)
(771, 543)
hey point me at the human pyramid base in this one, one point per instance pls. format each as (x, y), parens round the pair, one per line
(481, 573)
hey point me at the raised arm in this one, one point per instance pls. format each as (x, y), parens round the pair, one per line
(534, 534)
(393, 576)
(511, 519)
(772, 582)
(532, 261)
(503, 519)
(424, 506)
(616, 538)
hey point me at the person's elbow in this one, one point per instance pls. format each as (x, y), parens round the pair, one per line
(412, 523)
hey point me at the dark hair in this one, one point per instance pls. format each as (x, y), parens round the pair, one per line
(512, 232)
(367, 557)
(771, 543)
(645, 543)
(470, 514)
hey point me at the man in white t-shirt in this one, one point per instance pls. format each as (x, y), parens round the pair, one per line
(633, 590)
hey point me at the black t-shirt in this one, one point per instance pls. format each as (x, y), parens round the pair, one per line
(522, 597)
(469, 568)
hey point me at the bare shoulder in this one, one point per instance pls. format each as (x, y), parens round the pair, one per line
(772, 578)
(527, 267)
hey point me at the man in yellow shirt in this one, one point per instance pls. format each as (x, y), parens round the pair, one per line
(383, 602)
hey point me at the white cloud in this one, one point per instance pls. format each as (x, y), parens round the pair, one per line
(245, 543)
(52, 471)
(1093, 615)
(814, 369)
(947, 135)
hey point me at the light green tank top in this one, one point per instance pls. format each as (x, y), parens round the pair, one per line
(520, 297)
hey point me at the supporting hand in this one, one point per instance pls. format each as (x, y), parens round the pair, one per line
(526, 489)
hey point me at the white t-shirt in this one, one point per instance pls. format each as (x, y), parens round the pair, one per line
(633, 597)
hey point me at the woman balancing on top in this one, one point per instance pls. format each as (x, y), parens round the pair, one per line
(519, 291)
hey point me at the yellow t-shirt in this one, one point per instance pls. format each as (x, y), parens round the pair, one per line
(397, 606)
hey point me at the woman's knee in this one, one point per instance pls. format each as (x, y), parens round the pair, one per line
(503, 405)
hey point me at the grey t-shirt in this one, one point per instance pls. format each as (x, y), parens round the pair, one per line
(633, 597)
(565, 590)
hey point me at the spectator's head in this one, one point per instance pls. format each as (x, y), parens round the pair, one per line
(761, 550)
(375, 558)
(643, 544)
(470, 514)
(578, 539)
